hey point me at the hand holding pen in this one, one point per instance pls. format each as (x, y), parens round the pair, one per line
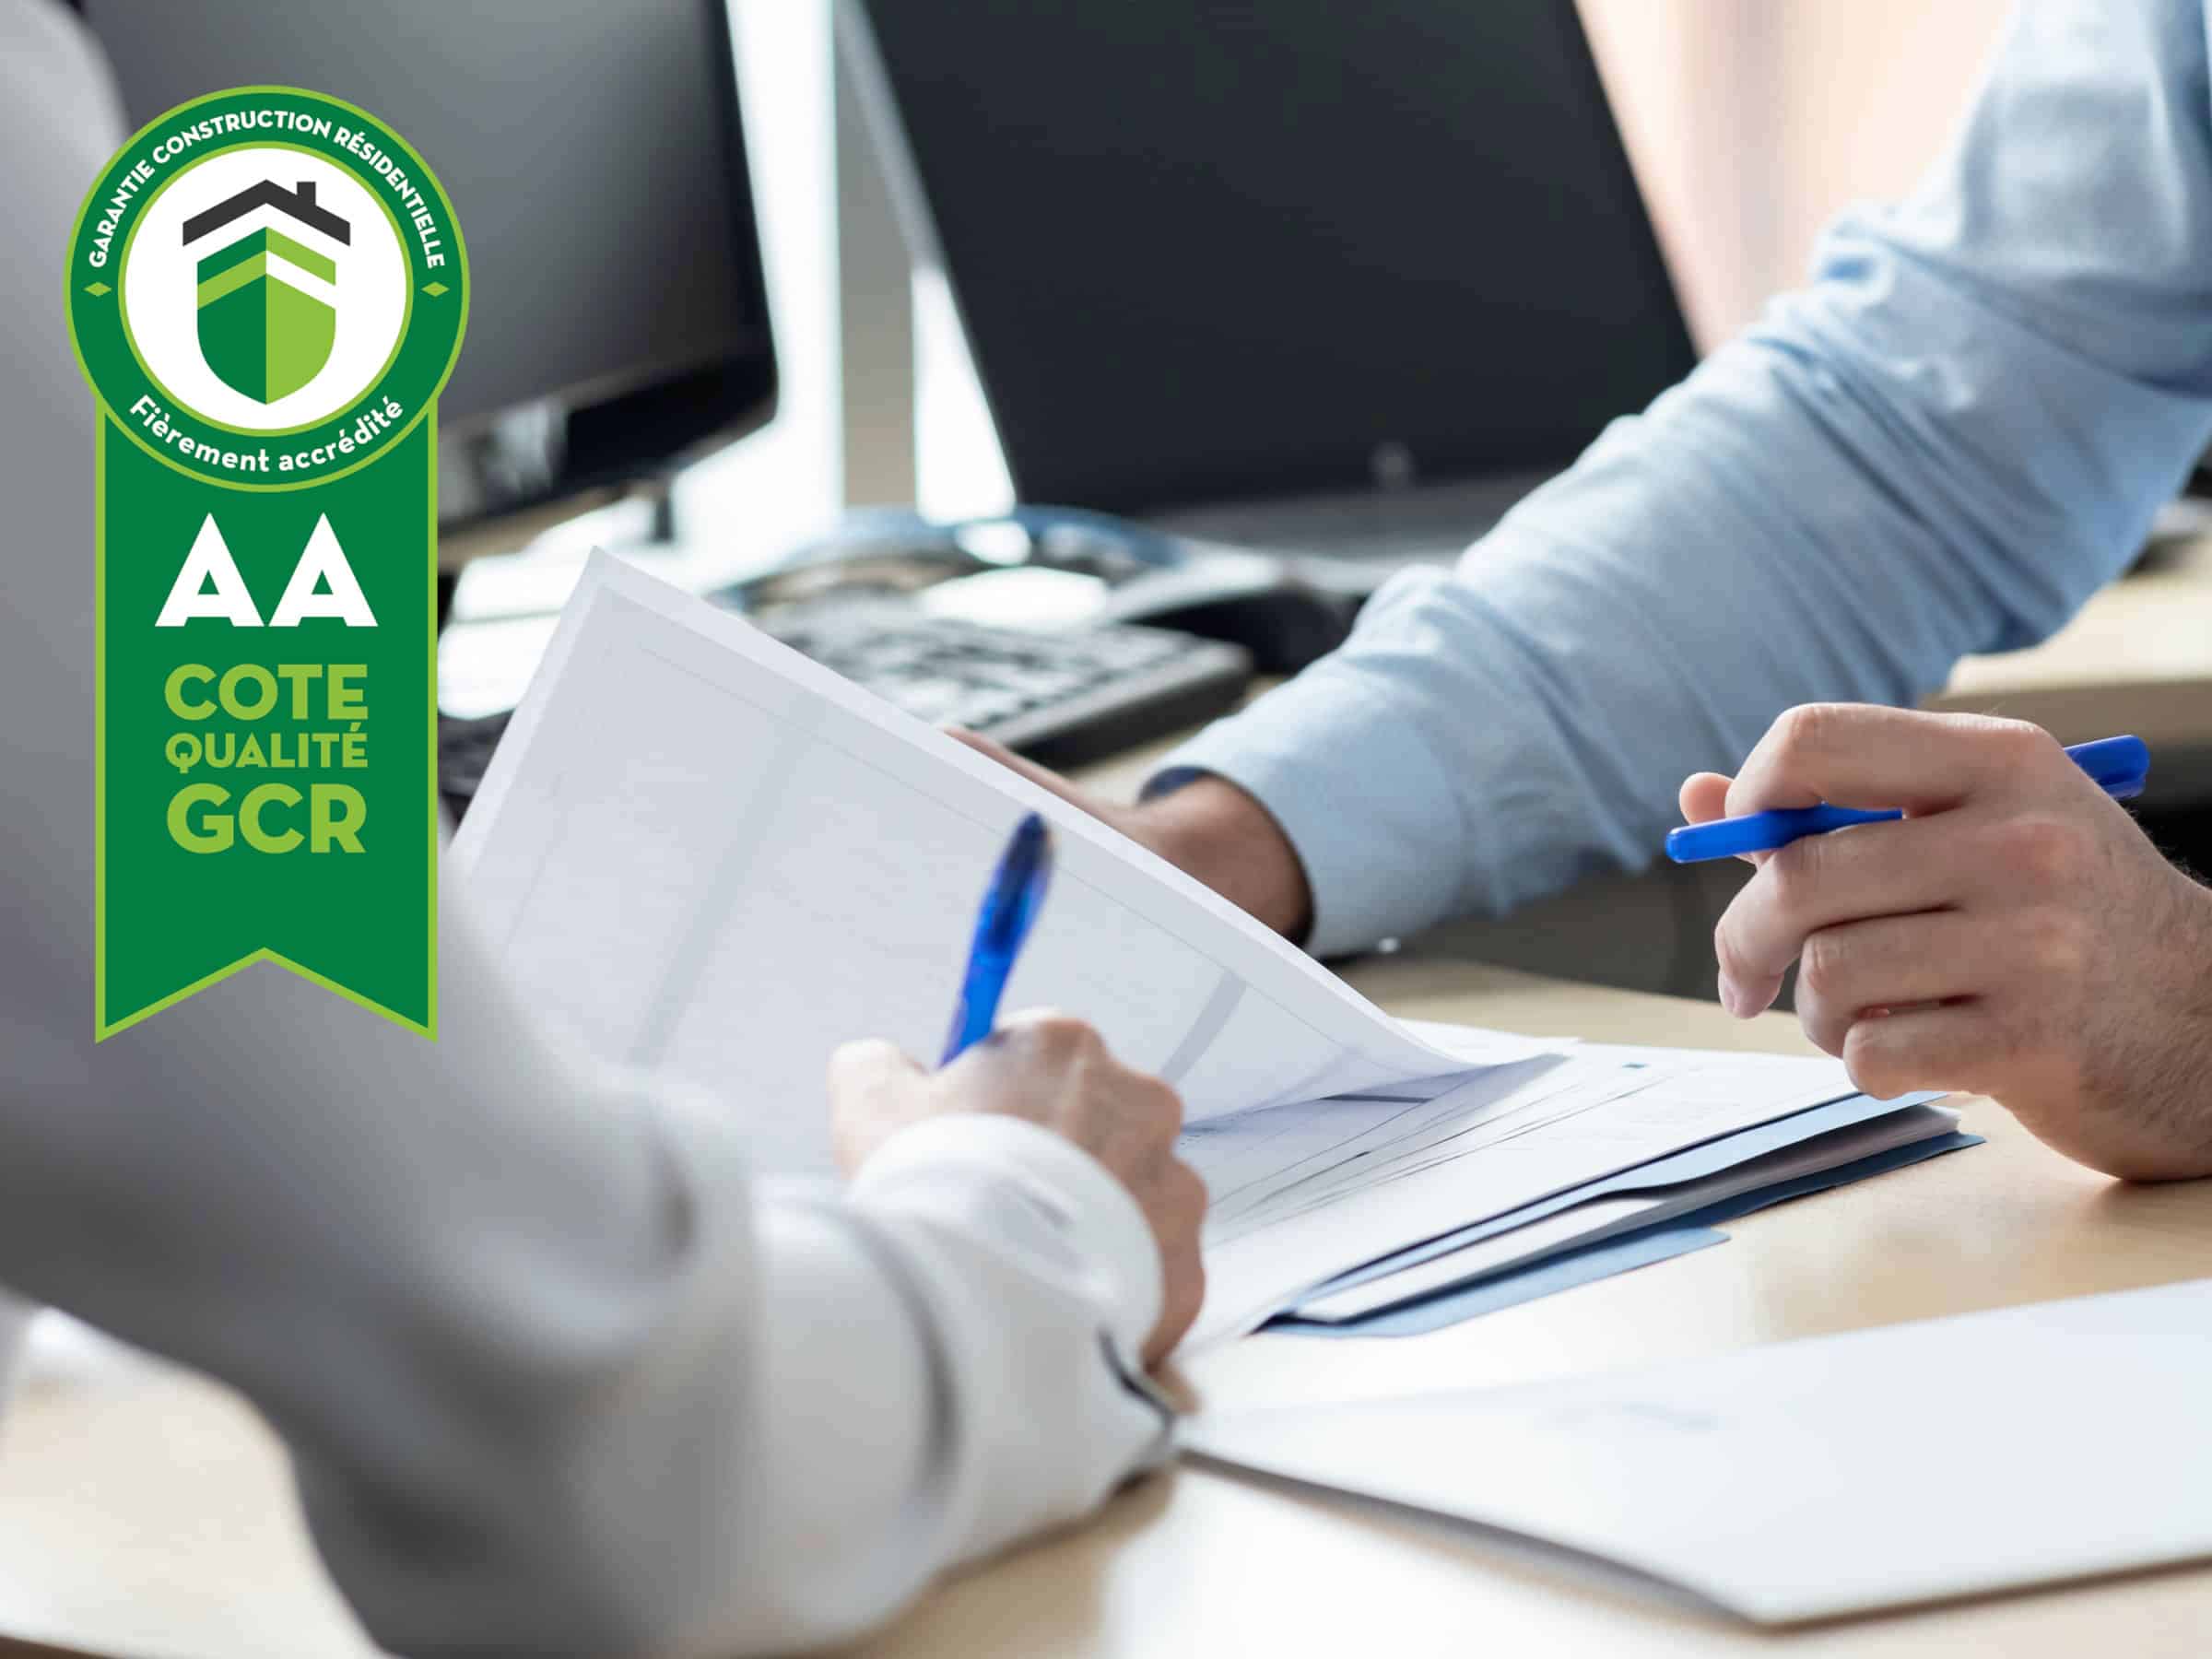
(1049, 1069)
(1001, 927)
(2013, 934)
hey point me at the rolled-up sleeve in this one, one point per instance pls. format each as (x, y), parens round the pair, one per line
(1944, 444)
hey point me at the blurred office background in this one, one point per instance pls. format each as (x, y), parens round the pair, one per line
(1749, 123)
(1494, 338)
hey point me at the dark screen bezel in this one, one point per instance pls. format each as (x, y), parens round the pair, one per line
(648, 430)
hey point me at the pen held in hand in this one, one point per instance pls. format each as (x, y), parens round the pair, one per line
(1010, 908)
(2119, 766)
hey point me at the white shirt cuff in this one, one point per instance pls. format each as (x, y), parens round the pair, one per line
(1078, 1202)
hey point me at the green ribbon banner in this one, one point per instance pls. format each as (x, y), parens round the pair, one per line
(267, 290)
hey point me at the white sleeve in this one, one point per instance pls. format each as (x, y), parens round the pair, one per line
(557, 1375)
(753, 1417)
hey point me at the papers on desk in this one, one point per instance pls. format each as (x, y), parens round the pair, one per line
(1308, 1195)
(702, 852)
(1820, 1478)
(699, 851)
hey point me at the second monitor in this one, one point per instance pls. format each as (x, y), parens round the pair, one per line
(1236, 250)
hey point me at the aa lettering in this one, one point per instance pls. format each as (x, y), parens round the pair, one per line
(208, 585)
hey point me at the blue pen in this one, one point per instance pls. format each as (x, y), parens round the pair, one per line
(1010, 905)
(2119, 766)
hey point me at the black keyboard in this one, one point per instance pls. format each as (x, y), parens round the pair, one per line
(1060, 698)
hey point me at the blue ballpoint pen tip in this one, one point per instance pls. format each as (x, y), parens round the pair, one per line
(1026, 866)
(1010, 905)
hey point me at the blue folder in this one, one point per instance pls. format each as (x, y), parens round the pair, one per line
(1677, 1236)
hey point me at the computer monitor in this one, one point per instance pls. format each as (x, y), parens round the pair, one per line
(1245, 248)
(595, 159)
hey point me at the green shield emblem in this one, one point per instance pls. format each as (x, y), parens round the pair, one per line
(265, 331)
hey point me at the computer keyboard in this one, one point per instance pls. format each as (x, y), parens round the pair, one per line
(1061, 697)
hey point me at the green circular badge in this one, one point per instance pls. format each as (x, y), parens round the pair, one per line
(267, 288)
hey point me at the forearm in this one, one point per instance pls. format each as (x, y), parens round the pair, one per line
(777, 1438)
(558, 1376)
(1943, 446)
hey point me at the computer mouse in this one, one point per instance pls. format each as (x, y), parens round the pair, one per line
(1263, 602)
(1281, 621)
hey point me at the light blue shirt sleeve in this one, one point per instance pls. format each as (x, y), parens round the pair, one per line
(1943, 445)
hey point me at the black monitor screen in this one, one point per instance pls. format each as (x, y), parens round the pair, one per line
(594, 160)
(1206, 249)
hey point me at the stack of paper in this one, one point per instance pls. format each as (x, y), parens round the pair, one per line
(1385, 1197)
(1781, 1157)
(702, 853)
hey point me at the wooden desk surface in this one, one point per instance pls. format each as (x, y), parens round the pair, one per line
(152, 1517)
(2137, 658)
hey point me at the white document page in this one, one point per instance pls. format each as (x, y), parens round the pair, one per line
(1304, 1192)
(700, 852)
(1822, 1478)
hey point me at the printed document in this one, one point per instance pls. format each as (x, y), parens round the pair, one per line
(698, 851)
(701, 852)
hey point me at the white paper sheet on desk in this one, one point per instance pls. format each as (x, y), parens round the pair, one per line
(1303, 1193)
(1822, 1478)
(702, 852)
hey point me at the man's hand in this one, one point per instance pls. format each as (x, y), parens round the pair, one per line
(1054, 1071)
(1208, 828)
(2014, 935)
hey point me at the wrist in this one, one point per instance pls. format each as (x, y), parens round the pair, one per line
(2193, 1108)
(961, 1168)
(1224, 837)
(2132, 1105)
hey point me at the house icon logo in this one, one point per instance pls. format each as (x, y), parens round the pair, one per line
(264, 287)
(267, 300)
